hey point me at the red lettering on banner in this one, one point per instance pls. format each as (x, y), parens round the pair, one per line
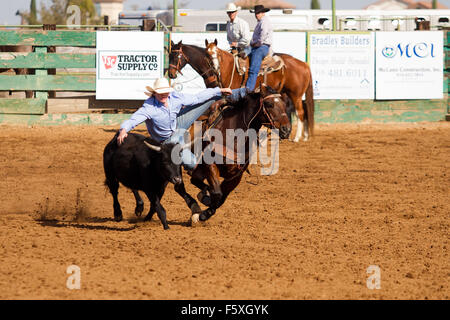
(109, 61)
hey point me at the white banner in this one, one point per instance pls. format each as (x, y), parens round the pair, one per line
(293, 43)
(342, 65)
(127, 62)
(409, 65)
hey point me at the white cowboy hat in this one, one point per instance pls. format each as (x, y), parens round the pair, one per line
(231, 7)
(160, 86)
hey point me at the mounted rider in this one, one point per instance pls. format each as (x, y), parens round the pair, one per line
(260, 43)
(238, 31)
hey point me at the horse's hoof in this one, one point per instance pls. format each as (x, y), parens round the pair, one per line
(203, 217)
(117, 218)
(195, 218)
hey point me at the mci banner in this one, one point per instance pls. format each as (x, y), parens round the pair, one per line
(127, 62)
(409, 65)
(342, 65)
(293, 43)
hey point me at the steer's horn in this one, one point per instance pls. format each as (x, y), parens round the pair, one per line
(156, 148)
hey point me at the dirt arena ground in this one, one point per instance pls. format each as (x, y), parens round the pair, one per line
(354, 196)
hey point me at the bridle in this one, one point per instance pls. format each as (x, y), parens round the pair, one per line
(262, 108)
(210, 80)
(180, 55)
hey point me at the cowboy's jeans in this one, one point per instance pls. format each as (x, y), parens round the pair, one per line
(256, 57)
(186, 118)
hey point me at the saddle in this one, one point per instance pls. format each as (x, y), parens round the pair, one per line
(270, 63)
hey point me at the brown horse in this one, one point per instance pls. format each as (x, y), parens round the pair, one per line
(294, 79)
(247, 115)
(181, 54)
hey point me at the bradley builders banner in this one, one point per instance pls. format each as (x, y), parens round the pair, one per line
(293, 43)
(409, 65)
(127, 62)
(342, 65)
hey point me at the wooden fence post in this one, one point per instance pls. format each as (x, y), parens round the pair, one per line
(51, 49)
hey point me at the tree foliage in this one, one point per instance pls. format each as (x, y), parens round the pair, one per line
(315, 4)
(33, 13)
(56, 12)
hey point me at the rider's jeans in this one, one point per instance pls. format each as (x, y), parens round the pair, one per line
(256, 57)
(187, 117)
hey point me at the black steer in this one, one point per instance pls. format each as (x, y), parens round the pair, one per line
(142, 164)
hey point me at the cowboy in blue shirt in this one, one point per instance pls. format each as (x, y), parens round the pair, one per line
(261, 42)
(168, 114)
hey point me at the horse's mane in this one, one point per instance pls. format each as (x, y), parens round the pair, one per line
(196, 48)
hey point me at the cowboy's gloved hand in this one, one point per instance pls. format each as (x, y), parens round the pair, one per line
(237, 94)
(226, 91)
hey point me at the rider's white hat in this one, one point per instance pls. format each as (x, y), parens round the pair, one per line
(160, 85)
(231, 7)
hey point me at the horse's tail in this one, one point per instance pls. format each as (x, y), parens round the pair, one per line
(310, 105)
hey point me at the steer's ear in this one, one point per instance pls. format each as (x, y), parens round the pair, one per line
(151, 146)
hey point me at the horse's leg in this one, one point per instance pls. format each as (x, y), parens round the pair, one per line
(197, 180)
(139, 203)
(300, 118)
(212, 176)
(227, 186)
(213, 179)
(305, 129)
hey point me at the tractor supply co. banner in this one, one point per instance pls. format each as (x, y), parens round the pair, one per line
(127, 62)
(342, 65)
(293, 43)
(409, 65)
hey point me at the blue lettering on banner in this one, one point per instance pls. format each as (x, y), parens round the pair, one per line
(420, 50)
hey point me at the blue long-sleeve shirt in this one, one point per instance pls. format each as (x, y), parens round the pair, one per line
(262, 33)
(161, 121)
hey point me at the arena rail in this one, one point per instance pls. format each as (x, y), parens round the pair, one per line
(47, 111)
(41, 61)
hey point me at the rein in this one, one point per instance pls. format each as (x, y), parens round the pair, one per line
(261, 107)
(210, 80)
